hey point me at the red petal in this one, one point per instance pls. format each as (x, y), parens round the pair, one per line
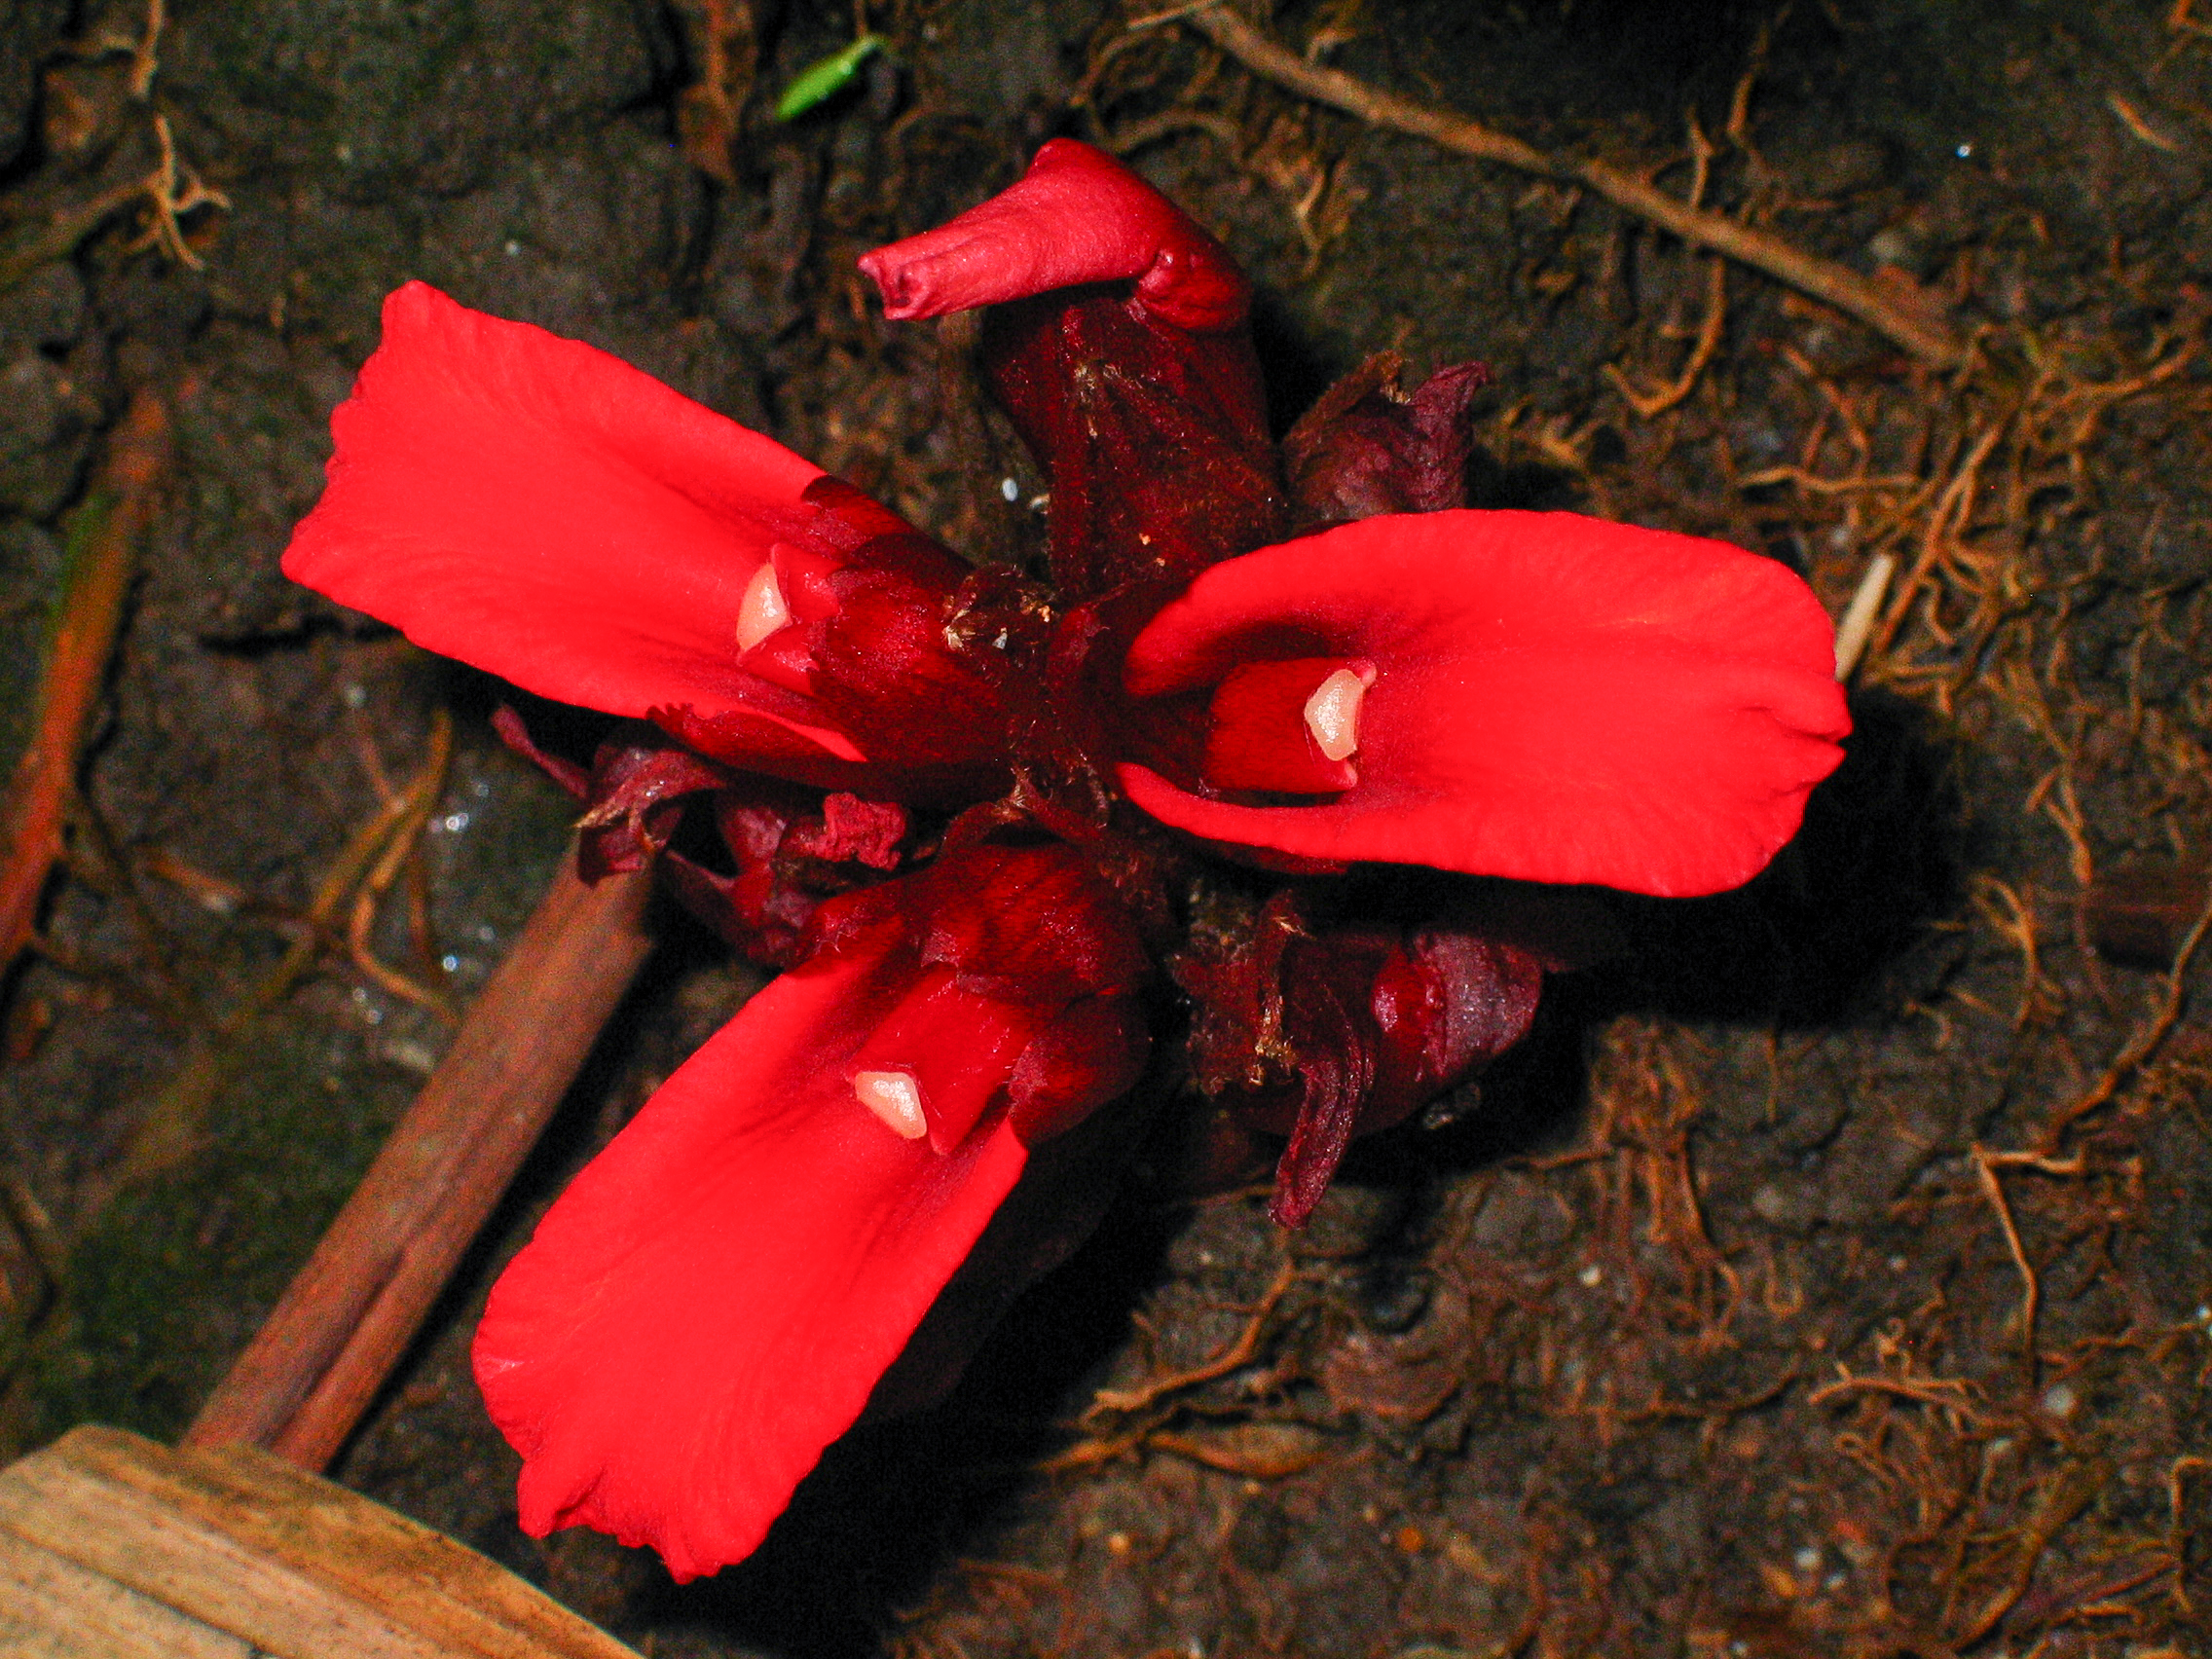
(1556, 699)
(540, 509)
(755, 739)
(710, 1303)
(1076, 216)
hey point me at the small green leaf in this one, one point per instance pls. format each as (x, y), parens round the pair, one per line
(824, 78)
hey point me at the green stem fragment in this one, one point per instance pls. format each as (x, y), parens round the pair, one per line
(826, 77)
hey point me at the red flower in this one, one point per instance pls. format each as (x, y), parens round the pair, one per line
(952, 797)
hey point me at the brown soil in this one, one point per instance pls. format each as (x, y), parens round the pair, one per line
(1830, 1274)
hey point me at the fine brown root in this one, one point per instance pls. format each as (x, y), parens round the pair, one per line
(1915, 328)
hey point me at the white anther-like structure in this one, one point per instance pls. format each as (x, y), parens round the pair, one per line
(895, 1097)
(1332, 713)
(763, 610)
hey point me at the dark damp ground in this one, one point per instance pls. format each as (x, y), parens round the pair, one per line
(1722, 1324)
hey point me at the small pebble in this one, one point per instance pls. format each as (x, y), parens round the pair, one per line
(1259, 1538)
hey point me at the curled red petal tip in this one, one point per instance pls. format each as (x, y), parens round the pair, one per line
(1076, 216)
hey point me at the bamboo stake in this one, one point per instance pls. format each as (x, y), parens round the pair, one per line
(342, 1323)
(1927, 337)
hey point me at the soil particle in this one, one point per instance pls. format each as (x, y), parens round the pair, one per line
(28, 32)
(52, 375)
(390, 102)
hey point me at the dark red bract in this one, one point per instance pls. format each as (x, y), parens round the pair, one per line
(1009, 836)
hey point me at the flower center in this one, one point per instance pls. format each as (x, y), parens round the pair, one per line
(1288, 727)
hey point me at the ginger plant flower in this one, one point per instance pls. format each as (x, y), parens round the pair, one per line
(1038, 852)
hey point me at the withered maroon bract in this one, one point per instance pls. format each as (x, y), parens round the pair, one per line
(1034, 853)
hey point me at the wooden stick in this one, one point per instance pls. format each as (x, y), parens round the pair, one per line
(1926, 337)
(310, 1372)
(105, 533)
